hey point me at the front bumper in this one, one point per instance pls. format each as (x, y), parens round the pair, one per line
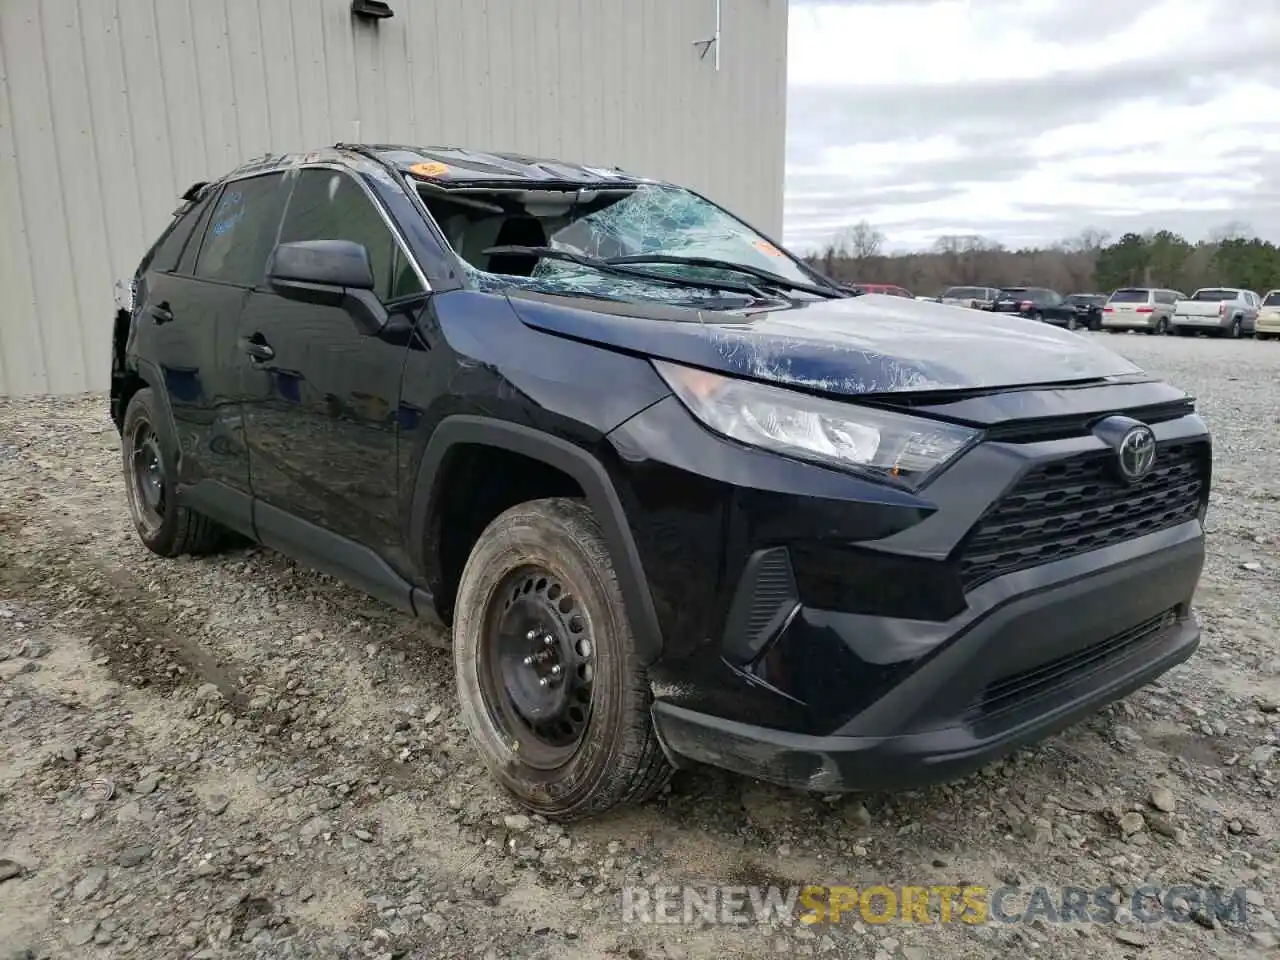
(1025, 669)
(822, 630)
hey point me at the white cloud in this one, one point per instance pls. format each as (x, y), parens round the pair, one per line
(1134, 151)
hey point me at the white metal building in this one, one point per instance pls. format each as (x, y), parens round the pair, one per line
(109, 109)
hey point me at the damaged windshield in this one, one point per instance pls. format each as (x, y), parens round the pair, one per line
(487, 229)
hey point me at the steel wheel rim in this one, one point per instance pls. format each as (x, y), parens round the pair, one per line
(145, 477)
(537, 666)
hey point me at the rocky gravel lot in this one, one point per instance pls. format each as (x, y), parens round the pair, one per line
(240, 757)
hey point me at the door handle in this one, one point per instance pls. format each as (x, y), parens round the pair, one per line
(258, 351)
(160, 313)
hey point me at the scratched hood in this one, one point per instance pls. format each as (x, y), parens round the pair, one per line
(862, 345)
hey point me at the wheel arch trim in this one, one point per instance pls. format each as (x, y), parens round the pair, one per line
(586, 470)
(150, 375)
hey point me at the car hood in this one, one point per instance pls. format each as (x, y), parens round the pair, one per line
(861, 345)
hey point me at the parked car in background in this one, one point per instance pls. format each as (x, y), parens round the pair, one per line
(1268, 323)
(1038, 303)
(888, 289)
(977, 298)
(1148, 309)
(1221, 311)
(1088, 308)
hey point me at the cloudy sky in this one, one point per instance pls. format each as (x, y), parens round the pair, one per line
(1029, 120)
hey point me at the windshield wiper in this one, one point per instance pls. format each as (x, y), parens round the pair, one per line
(711, 263)
(607, 266)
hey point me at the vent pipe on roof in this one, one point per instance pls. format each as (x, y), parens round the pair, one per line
(713, 42)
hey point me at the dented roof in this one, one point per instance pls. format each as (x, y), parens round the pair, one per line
(448, 166)
(451, 167)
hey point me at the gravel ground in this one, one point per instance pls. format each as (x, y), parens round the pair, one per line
(237, 756)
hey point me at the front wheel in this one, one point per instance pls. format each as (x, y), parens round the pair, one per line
(1071, 323)
(549, 680)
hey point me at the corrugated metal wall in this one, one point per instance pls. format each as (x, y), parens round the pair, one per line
(109, 109)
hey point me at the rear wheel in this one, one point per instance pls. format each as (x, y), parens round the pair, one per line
(1162, 327)
(1234, 334)
(549, 680)
(1037, 316)
(150, 473)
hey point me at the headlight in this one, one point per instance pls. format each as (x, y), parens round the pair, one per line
(837, 434)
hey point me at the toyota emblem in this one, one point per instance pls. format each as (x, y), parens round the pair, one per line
(1137, 453)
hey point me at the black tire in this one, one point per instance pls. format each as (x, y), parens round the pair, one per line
(1234, 333)
(150, 471)
(1071, 323)
(539, 553)
(1162, 327)
(1037, 316)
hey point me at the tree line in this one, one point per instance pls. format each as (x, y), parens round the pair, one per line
(1090, 262)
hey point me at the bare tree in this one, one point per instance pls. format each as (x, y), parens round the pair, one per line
(1088, 240)
(861, 241)
(1231, 230)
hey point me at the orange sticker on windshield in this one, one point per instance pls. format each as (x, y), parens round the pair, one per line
(768, 248)
(432, 168)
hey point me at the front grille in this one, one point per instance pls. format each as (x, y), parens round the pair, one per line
(1071, 506)
(1019, 688)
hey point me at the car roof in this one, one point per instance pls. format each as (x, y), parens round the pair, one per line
(451, 167)
(457, 165)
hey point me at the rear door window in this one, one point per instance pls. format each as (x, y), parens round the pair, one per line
(1273, 299)
(242, 230)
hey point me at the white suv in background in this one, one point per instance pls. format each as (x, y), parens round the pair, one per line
(1149, 309)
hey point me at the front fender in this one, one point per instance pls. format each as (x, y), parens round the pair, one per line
(574, 461)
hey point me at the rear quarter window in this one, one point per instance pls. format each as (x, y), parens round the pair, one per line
(167, 251)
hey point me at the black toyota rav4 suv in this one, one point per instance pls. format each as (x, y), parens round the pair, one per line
(679, 498)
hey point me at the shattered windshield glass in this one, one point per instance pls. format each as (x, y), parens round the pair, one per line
(649, 220)
(667, 220)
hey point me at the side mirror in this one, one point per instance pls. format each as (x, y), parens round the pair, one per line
(331, 273)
